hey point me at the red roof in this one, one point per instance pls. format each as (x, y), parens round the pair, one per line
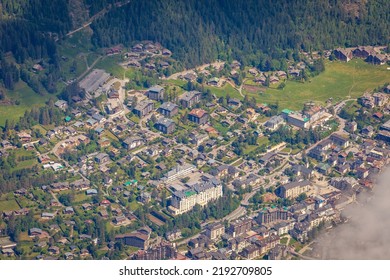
(105, 201)
(198, 112)
(378, 115)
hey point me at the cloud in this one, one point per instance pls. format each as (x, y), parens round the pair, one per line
(367, 234)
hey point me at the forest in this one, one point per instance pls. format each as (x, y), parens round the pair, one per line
(256, 32)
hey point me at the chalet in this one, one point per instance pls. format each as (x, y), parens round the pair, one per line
(120, 220)
(156, 93)
(198, 116)
(54, 250)
(166, 52)
(37, 68)
(166, 126)
(24, 137)
(363, 52)
(105, 203)
(60, 186)
(235, 102)
(81, 184)
(68, 210)
(103, 214)
(87, 206)
(190, 77)
(61, 104)
(47, 216)
(343, 54)
(102, 158)
(143, 108)
(216, 82)
(189, 98)
(99, 118)
(132, 142)
(34, 232)
(378, 59)
(168, 109)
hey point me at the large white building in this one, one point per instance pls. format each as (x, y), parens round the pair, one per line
(199, 193)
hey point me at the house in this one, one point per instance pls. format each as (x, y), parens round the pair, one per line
(143, 108)
(87, 206)
(156, 93)
(351, 126)
(363, 52)
(132, 142)
(120, 220)
(34, 232)
(343, 54)
(24, 137)
(368, 131)
(168, 109)
(274, 122)
(68, 210)
(173, 235)
(378, 59)
(99, 118)
(294, 189)
(189, 98)
(239, 227)
(47, 216)
(54, 250)
(190, 77)
(216, 82)
(235, 102)
(198, 116)
(61, 104)
(102, 158)
(323, 168)
(166, 126)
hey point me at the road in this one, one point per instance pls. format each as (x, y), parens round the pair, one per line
(175, 76)
(94, 17)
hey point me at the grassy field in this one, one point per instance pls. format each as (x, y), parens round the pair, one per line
(340, 81)
(110, 64)
(223, 91)
(27, 98)
(8, 205)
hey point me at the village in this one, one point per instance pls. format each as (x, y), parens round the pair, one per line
(132, 167)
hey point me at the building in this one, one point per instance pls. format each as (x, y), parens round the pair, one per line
(294, 189)
(199, 193)
(189, 98)
(166, 126)
(344, 183)
(139, 239)
(132, 142)
(215, 231)
(343, 54)
(162, 251)
(240, 227)
(94, 80)
(61, 104)
(271, 215)
(363, 52)
(102, 158)
(298, 120)
(380, 99)
(143, 108)
(179, 171)
(274, 122)
(198, 116)
(340, 140)
(168, 109)
(156, 93)
(378, 59)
